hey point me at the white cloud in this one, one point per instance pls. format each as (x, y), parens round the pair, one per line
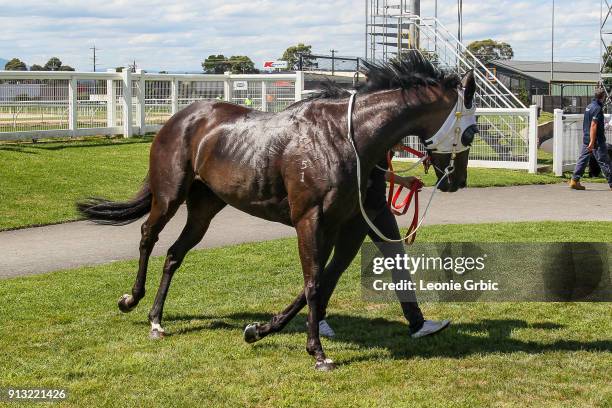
(178, 35)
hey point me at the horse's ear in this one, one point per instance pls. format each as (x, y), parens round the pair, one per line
(469, 84)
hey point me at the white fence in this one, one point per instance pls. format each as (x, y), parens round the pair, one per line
(567, 141)
(35, 105)
(507, 140)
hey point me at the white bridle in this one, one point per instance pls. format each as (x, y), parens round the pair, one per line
(446, 140)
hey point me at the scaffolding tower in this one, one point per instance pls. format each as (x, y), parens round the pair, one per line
(605, 34)
(387, 31)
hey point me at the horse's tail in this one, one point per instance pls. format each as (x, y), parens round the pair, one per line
(107, 212)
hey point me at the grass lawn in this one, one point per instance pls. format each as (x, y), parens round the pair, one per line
(39, 183)
(478, 177)
(63, 329)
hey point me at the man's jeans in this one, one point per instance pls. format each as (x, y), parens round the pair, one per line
(601, 155)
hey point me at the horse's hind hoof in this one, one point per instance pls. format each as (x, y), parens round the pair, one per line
(156, 334)
(250, 333)
(124, 303)
(325, 365)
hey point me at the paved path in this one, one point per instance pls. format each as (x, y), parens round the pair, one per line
(44, 249)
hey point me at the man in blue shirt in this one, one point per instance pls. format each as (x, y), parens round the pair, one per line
(593, 142)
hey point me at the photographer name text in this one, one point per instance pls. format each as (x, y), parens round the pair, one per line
(403, 285)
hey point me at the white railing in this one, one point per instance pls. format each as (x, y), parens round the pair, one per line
(567, 141)
(35, 105)
(507, 139)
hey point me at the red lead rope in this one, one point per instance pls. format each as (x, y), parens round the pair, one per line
(394, 196)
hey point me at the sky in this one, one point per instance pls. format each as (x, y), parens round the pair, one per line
(177, 35)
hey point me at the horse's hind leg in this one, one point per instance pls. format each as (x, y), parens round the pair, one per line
(161, 213)
(202, 206)
(254, 331)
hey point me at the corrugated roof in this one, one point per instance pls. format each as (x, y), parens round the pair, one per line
(564, 71)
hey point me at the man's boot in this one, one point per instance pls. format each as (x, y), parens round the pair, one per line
(575, 185)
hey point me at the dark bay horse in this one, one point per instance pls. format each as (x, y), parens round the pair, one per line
(296, 167)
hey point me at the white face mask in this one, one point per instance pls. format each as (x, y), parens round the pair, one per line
(448, 138)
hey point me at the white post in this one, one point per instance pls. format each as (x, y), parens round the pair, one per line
(174, 91)
(111, 102)
(299, 85)
(227, 87)
(264, 96)
(72, 105)
(533, 139)
(126, 101)
(558, 143)
(140, 107)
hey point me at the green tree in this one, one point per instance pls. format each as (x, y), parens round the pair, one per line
(523, 96)
(216, 64)
(66, 68)
(241, 64)
(36, 67)
(15, 65)
(292, 56)
(491, 50)
(53, 64)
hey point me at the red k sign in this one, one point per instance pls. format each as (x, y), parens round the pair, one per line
(275, 64)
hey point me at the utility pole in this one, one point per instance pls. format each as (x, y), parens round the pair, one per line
(333, 53)
(94, 49)
(415, 9)
(436, 28)
(460, 20)
(552, 50)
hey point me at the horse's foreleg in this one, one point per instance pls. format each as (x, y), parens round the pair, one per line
(314, 248)
(202, 206)
(348, 242)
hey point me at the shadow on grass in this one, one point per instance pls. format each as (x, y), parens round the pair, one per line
(459, 340)
(54, 145)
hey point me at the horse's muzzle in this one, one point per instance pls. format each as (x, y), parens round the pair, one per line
(458, 178)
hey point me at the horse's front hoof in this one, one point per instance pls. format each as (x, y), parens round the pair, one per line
(250, 333)
(156, 334)
(325, 365)
(124, 303)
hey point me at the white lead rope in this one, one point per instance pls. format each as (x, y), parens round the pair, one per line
(447, 172)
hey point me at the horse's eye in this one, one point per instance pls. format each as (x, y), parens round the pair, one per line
(468, 135)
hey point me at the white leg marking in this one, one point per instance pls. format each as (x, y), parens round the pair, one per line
(157, 326)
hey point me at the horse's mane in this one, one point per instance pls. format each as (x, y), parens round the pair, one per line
(409, 71)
